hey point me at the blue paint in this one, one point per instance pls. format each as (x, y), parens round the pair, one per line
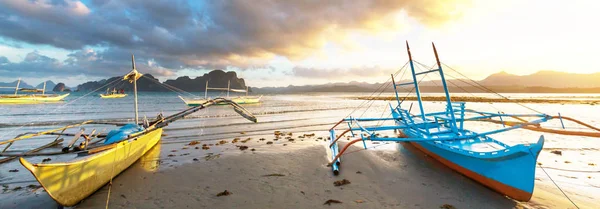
(414, 76)
(443, 134)
(515, 168)
(334, 152)
(561, 122)
(118, 135)
(395, 90)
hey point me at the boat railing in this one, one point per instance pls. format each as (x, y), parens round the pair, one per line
(457, 110)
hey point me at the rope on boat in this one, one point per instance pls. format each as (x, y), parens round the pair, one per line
(111, 181)
(378, 90)
(555, 184)
(489, 90)
(169, 87)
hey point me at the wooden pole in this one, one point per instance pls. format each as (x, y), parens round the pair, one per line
(206, 90)
(228, 86)
(135, 96)
(17, 88)
(44, 89)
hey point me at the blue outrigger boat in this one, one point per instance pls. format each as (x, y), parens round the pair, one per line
(509, 170)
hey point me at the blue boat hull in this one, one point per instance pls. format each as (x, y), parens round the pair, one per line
(512, 175)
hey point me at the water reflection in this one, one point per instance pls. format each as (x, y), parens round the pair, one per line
(151, 160)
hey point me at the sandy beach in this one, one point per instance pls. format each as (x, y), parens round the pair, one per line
(295, 175)
(299, 179)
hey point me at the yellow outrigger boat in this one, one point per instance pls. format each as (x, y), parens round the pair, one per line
(239, 100)
(112, 95)
(30, 98)
(70, 182)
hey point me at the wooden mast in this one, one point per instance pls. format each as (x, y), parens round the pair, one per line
(135, 96)
(206, 90)
(17, 88)
(450, 110)
(228, 87)
(416, 83)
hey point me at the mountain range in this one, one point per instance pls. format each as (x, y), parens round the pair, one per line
(50, 85)
(540, 82)
(215, 78)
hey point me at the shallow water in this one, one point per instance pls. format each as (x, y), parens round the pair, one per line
(577, 170)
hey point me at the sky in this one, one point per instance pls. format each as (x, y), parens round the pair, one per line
(281, 43)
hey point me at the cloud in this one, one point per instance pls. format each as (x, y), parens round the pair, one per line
(182, 34)
(82, 62)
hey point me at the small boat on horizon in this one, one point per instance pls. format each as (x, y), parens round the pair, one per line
(30, 98)
(239, 100)
(113, 94)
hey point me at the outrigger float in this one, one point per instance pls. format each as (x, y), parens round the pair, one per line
(509, 170)
(95, 163)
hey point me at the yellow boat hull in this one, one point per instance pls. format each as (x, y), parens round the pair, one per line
(30, 98)
(70, 182)
(112, 96)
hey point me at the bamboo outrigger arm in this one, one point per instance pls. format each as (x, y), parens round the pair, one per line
(42, 133)
(162, 122)
(159, 123)
(554, 131)
(30, 152)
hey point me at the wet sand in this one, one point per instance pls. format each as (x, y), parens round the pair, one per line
(379, 179)
(384, 181)
(392, 176)
(401, 177)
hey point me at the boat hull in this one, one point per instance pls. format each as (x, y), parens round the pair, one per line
(512, 175)
(112, 96)
(70, 182)
(30, 99)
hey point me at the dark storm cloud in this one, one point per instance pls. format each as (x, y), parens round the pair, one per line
(195, 34)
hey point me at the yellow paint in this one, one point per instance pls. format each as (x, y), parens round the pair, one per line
(30, 98)
(111, 96)
(70, 182)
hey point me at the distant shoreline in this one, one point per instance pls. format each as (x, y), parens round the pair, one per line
(484, 99)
